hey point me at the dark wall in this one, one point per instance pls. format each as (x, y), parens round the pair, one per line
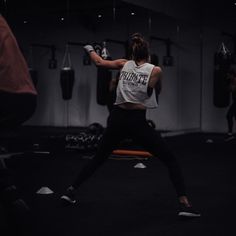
(186, 99)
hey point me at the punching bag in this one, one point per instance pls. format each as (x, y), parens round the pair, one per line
(104, 77)
(103, 80)
(67, 76)
(155, 62)
(221, 93)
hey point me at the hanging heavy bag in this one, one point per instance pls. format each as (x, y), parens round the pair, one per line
(168, 60)
(155, 62)
(104, 77)
(103, 80)
(86, 59)
(154, 59)
(222, 61)
(221, 95)
(97, 48)
(67, 76)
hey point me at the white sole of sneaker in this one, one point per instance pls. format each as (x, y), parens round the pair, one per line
(229, 139)
(67, 199)
(189, 214)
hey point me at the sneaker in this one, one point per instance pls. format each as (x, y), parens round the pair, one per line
(187, 211)
(20, 205)
(69, 196)
(229, 137)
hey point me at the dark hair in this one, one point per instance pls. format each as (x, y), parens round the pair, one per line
(139, 47)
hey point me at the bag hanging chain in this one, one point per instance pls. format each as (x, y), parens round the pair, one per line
(67, 58)
(223, 49)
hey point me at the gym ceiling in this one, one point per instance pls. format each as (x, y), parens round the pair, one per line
(203, 10)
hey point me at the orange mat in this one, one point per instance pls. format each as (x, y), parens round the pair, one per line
(131, 153)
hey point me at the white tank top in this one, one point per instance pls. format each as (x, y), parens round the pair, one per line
(133, 84)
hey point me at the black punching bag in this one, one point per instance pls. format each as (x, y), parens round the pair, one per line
(104, 77)
(221, 93)
(67, 78)
(155, 62)
(103, 80)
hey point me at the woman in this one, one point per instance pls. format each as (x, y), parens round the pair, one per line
(135, 93)
(18, 100)
(18, 96)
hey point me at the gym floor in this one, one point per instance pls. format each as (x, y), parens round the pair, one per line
(120, 200)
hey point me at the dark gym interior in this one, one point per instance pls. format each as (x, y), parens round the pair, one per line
(194, 42)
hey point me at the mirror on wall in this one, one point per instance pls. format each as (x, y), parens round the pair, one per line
(47, 30)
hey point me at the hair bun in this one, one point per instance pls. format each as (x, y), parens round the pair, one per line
(137, 38)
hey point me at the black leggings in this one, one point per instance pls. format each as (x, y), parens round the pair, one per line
(132, 124)
(231, 114)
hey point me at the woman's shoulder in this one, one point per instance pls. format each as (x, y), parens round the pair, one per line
(157, 70)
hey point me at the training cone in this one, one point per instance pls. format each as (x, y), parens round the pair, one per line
(44, 190)
(209, 141)
(140, 165)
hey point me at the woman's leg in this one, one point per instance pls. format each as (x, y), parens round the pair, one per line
(152, 141)
(111, 137)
